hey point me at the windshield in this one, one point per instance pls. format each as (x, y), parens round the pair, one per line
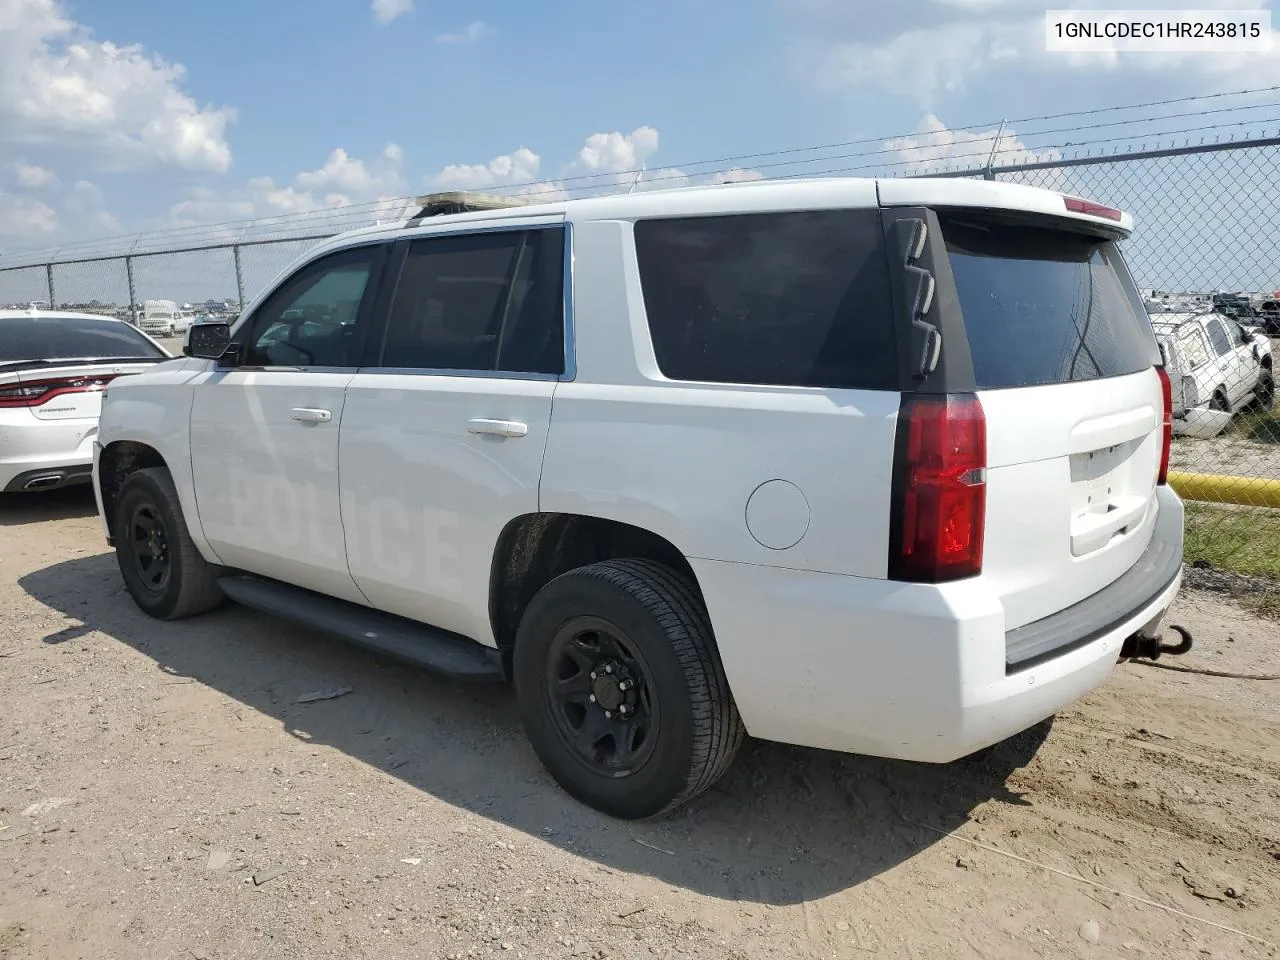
(56, 338)
(1045, 305)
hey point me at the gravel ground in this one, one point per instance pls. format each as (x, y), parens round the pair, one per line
(164, 795)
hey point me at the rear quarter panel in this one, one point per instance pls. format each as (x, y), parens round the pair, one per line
(683, 460)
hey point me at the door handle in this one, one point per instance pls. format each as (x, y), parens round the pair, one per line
(499, 428)
(311, 415)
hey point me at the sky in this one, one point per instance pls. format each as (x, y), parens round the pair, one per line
(137, 116)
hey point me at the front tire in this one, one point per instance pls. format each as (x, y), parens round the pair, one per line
(1265, 392)
(621, 689)
(162, 569)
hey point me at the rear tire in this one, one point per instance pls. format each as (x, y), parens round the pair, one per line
(621, 689)
(1264, 394)
(162, 569)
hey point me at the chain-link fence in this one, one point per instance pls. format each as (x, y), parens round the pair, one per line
(1206, 254)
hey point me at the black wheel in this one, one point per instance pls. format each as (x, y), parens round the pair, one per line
(621, 689)
(1264, 393)
(1220, 402)
(162, 569)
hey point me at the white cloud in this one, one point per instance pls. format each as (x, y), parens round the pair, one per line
(736, 175)
(934, 146)
(87, 206)
(472, 32)
(518, 167)
(617, 152)
(60, 86)
(25, 220)
(32, 177)
(341, 181)
(932, 49)
(384, 11)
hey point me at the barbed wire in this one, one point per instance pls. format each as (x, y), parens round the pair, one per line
(348, 216)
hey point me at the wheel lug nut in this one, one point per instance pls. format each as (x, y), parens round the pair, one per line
(608, 715)
(592, 698)
(622, 685)
(608, 669)
(593, 674)
(623, 708)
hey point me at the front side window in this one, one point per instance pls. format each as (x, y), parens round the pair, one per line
(1218, 336)
(789, 299)
(314, 319)
(480, 302)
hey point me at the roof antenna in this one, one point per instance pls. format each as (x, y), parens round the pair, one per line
(639, 174)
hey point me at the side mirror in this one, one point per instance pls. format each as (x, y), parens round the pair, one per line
(207, 341)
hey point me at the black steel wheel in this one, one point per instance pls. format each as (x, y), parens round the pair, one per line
(149, 547)
(599, 695)
(621, 688)
(162, 569)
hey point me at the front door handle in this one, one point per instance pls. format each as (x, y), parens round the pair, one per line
(499, 428)
(311, 414)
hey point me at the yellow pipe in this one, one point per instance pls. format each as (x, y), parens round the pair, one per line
(1212, 488)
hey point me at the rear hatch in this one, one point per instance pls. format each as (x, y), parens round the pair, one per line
(1064, 364)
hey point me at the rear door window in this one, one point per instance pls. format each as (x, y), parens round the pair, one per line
(792, 299)
(1044, 306)
(1193, 347)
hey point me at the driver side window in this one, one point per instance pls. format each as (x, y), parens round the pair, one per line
(314, 319)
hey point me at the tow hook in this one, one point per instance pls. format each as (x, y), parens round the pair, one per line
(1143, 647)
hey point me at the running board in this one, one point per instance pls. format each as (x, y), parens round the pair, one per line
(434, 649)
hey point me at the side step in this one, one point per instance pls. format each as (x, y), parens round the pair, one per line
(436, 650)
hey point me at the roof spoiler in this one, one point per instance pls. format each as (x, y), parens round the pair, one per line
(461, 201)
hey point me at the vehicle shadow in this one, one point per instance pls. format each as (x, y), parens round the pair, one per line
(786, 825)
(20, 509)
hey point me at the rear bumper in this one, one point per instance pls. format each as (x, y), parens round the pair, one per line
(902, 670)
(33, 449)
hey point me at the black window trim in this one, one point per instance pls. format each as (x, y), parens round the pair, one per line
(367, 317)
(378, 333)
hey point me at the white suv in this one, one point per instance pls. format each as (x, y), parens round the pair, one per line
(872, 466)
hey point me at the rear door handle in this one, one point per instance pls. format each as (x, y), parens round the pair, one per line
(311, 414)
(499, 428)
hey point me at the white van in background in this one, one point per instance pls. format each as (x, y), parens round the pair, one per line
(159, 318)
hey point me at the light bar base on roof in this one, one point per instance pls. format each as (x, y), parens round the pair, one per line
(462, 201)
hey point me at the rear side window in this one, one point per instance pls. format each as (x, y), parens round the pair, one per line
(480, 302)
(70, 338)
(791, 299)
(1045, 306)
(1218, 336)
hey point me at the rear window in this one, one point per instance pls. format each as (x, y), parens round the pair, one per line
(1045, 306)
(58, 338)
(791, 299)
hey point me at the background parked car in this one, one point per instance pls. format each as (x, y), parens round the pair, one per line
(54, 368)
(1217, 365)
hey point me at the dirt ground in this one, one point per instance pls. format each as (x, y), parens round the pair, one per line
(155, 779)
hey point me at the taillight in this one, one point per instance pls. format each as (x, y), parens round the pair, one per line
(1091, 209)
(35, 392)
(939, 489)
(1166, 433)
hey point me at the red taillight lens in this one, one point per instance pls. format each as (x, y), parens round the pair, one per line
(36, 392)
(1091, 209)
(1166, 437)
(939, 489)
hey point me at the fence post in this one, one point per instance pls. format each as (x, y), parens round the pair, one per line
(48, 276)
(235, 251)
(133, 301)
(988, 173)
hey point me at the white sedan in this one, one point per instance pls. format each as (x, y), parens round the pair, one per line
(54, 368)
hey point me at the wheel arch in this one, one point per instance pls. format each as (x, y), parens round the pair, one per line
(535, 548)
(116, 462)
